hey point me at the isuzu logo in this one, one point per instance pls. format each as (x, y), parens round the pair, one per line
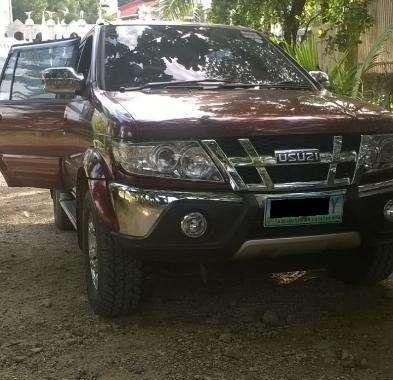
(297, 156)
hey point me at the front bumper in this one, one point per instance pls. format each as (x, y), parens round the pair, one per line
(149, 225)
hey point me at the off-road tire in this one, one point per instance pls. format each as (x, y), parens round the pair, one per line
(62, 222)
(120, 277)
(368, 266)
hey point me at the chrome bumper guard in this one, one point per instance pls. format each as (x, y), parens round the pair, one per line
(272, 248)
(138, 210)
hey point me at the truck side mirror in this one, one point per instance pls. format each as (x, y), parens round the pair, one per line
(321, 77)
(62, 80)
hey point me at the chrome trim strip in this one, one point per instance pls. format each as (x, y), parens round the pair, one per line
(298, 245)
(375, 188)
(257, 162)
(337, 145)
(224, 164)
(138, 210)
(300, 185)
(326, 158)
(363, 151)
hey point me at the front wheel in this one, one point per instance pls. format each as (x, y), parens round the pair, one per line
(368, 266)
(114, 278)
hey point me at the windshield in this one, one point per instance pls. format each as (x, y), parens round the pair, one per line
(139, 54)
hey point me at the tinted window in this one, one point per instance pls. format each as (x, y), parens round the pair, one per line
(7, 79)
(85, 58)
(135, 55)
(31, 63)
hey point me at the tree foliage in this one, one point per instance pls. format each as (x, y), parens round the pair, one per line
(347, 19)
(261, 14)
(177, 9)
(344, 20)
(73, 7)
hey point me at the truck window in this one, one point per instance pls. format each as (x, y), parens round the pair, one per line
(5, 87)
(85, 58)
(31, 63)
(140, 54)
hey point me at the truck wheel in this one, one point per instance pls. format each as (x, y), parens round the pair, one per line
(114, 278)
(61, 219)
(367, 267)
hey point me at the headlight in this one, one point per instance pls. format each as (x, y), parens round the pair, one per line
(181, 160)
(376, 152)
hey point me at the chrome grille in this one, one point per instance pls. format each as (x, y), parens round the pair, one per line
(251, 165)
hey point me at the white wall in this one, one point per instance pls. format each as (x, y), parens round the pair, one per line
(5, 12)
(5, 44)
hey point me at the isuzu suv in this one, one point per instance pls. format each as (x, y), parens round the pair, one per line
(189, 142)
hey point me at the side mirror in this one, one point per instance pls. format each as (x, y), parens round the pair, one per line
(62, 80)
(321, 77)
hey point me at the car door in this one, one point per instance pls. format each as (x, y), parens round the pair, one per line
(78, 114)
(33, 129)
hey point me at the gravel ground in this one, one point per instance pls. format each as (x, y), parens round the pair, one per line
(243, 324)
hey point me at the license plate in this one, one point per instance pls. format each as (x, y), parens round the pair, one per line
(303, 210)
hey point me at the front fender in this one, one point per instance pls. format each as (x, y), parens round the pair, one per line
(101, 199)
(96, 165)
(98, 173)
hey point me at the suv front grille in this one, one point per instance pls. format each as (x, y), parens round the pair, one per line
(251, 164)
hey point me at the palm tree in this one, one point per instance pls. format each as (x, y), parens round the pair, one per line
(371, 59)
(182, 10)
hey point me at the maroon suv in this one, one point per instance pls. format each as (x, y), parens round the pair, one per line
(190, 142)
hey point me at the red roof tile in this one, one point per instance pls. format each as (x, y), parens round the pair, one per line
(133, 7)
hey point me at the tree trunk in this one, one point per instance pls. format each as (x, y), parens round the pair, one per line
(324, 10)
(291, 21)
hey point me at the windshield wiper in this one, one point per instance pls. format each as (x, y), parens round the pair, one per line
(291, 84)
(198, 83)
(217, 83)
(181, 83)
(238, 85)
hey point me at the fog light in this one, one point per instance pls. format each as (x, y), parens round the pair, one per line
(388, 211)
(194, 225)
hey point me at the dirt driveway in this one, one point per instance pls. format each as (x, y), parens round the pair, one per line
(242, 324)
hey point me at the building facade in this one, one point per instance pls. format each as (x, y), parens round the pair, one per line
(5, 13)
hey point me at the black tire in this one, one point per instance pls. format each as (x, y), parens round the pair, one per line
(61, 219)
(117, 289)
(368, 266)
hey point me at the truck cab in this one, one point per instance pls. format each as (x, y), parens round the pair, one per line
(184, 142)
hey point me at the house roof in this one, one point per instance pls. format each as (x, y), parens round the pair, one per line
(132, 8)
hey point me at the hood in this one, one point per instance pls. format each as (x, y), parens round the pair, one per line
(177, 114)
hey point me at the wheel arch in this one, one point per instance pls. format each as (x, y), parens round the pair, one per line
(94, 177)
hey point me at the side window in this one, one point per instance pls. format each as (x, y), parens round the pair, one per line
(85, 58)
(6, 83)
(31, 63)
